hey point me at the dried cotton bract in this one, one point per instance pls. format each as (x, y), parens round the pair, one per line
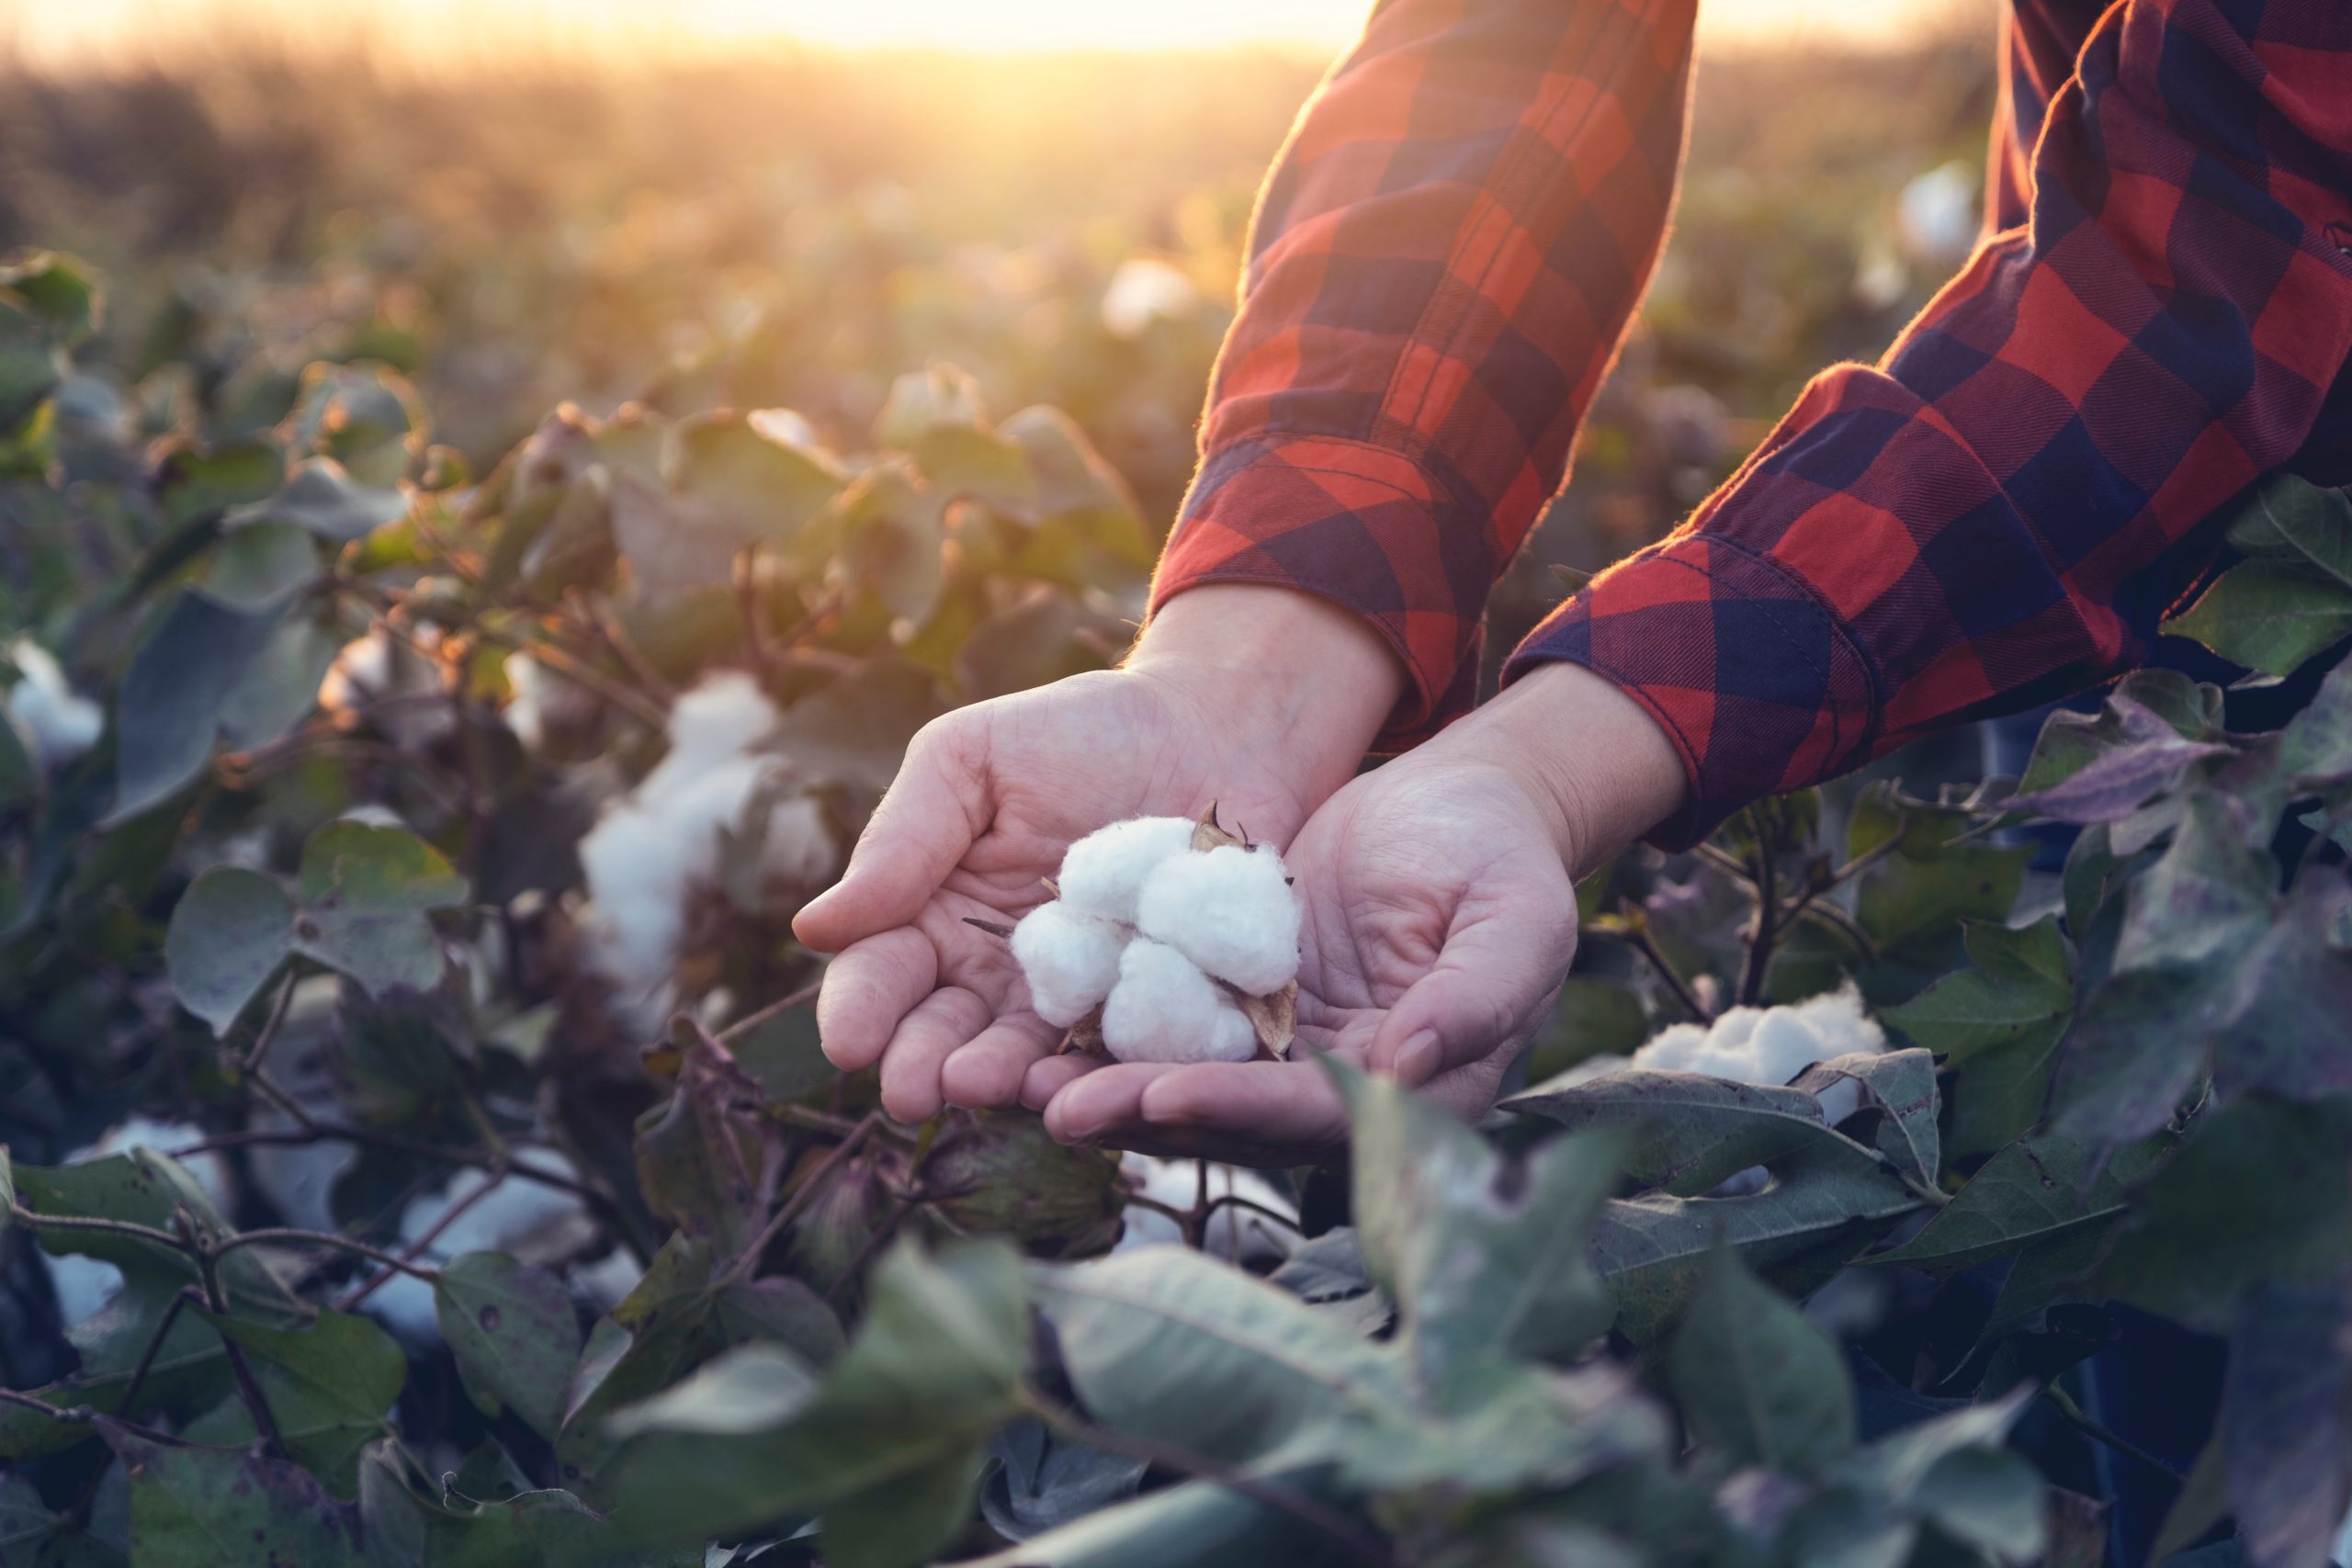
(1170, 941)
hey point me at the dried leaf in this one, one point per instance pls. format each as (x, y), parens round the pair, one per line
(1207, 835)
(994, 928)
(1086, 1034)
(1275, 1019)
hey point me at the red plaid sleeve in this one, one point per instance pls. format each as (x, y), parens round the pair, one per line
(1442, 263)
(2001, 508)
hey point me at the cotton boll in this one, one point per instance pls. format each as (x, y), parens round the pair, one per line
(1231, 911)
(526, 709)
(1164, 1009)
(60, 723)
(513, 1214)
(1235, 1233)
(1071, 960)
(1145, 289)
(1104, 873)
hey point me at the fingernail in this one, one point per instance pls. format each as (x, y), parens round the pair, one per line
(1418, 1060)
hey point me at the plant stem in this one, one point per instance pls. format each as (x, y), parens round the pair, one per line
(282, 1235)
(748, 1260)
(2076, 1416)
(252, 1060)
(1359, 1543)
(1767, 928)
(1635, 934)
(782, 1004)
(424, 1243)
(207, 1264)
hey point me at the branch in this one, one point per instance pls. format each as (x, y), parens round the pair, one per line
(782, 1004)
(1634, 933)
(748, 1260)
(286, 1236)
(424, 1243)
(2076, 1416)
(207, 1263)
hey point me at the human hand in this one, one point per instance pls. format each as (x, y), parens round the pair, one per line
(1259, 698)
(1440, 918)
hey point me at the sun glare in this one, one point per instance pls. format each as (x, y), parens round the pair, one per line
(103, 29)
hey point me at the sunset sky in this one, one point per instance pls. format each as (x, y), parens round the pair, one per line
(88, 28)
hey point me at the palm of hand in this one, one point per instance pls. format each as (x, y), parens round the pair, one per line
(1439, 921)
(941, 1000)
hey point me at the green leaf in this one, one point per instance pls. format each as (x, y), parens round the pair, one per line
(1755, 1378)
(2000, 1024)
(2268, 615)
(856, 730)
(2286, 1424)
(1170, 1345)
(2149, 758)
(1823, 1209)
(61, 288)
(754, 1388)
(322, 499)
(2037, 1190)
(410, 1521)
(892, 534)
(1033, 642)
(2258, 1196)
(262, 565)
(1483, 1256)
(513, 1332)
(1900, 1085)
(366, 893)
(366, 417)
(937, 1367)
(168, 713)
(328, 1387)
(1916, 897)
(199, 1508)
(2292, 520)
(229, 933)
(2316, 749)
(785, 1057)
(1694, 1132)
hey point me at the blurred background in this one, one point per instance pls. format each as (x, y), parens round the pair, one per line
(764, 202)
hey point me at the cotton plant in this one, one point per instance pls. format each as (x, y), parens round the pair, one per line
(667, 842)
(1168, 939)
(57, 722)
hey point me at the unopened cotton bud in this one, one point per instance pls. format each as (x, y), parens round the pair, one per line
(1165, 1010)
(1231, 911)
(1104, 873)
(1071, 960)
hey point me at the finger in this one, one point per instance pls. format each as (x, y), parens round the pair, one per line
(1049, 1077)
(868, 989)
(1487, 989)
(1288, 1106)
(991, 1070)
(938, 1027)
(1097, 1106)
(926, 821)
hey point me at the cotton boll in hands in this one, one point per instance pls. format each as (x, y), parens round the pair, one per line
(1164, 1009)
(1104, 873)
(1231, 911)
(1071, 960)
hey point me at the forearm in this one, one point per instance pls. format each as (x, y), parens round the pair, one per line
(1287, 672)
(1592, 762)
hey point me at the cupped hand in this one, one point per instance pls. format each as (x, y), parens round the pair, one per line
(990, 796)
(1440, 919)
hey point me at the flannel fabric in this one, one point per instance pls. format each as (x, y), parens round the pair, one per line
(1998, 512)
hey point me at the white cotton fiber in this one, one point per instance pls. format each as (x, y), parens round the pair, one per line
(1231, 911)
(60, 722)
(654, 847)
(1104, 873)
(1164, 1009)
(1071, 960)
(1761, 1045)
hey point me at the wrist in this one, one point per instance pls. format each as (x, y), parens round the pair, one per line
(1598, 768)
(1286, 672)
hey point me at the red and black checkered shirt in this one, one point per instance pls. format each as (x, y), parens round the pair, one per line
(1996, 511)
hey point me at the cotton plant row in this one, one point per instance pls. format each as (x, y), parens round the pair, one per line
(1167, 940)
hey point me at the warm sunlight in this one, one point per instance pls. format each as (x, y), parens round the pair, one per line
(104, 28)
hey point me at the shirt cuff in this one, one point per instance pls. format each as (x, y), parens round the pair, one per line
(1358, 525)
(1761, 688)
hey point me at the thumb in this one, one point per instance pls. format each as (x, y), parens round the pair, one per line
(924, 824)
(1491, 984)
